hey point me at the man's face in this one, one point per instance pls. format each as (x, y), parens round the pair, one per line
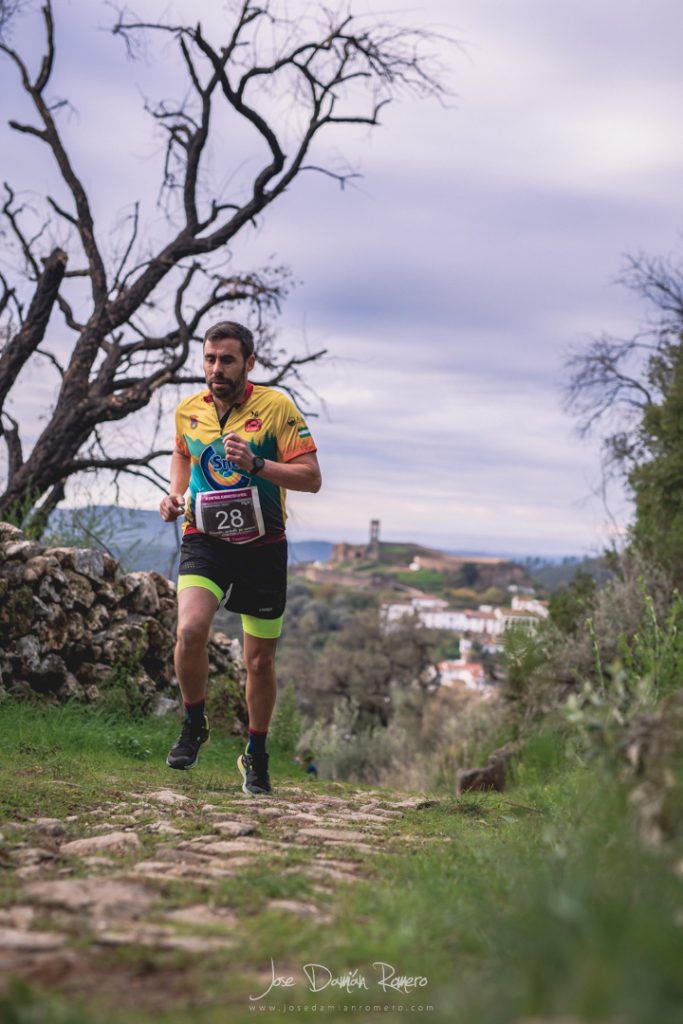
(226, 369)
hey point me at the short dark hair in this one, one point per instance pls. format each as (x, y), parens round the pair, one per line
(230, 329)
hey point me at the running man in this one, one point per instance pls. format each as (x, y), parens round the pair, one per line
(239, 447)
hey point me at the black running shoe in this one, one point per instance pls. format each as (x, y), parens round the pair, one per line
(185, 753)
(254, 771)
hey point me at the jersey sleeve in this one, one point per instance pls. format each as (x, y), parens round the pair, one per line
(293, 437)
(180, 442)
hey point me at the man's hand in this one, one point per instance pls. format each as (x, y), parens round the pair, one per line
(171, 507)
(238, 451)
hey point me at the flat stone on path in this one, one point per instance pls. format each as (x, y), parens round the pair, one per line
(235, 828)
(96, 861)
(33, 855)
(293, 818)
(100, 895)
(51, 826)
(162, 828)
(384, 812)
(17, 916)
(223, 847)
(299, 908)
(268, 811)
(163, 938)
(112, 842)
(200, 872)
(333, 870)
(369, 816)
(201, 914)
(413, 804)
(331, 835)
(168, 797)
(30, 942)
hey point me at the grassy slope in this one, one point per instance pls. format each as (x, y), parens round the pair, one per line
(533, 904)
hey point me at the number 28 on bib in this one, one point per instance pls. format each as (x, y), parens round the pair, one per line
(233, 515)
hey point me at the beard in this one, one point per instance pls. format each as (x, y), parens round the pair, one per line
(228, 390)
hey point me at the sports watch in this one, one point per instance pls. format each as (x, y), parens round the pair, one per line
(257, 465)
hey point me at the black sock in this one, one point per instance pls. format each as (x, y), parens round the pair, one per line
(195, 713)
(257, 742)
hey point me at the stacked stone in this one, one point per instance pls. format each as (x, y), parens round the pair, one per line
(69, 619)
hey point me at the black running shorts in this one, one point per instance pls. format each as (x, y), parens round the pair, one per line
(252, 579)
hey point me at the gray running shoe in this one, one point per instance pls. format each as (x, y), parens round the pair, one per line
(185, 753)
(254, 771)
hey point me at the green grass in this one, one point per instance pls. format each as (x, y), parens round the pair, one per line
(539, 903)
(424, 579)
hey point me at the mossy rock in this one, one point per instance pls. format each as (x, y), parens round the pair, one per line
(16, 616)
(226, 703)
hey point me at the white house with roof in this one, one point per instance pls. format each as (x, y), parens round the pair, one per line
(531, 604)
(486, 621)
(466, 675)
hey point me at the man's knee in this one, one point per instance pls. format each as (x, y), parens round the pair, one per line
(193, 634)
(260, 659)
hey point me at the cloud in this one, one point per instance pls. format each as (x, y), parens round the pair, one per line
(450, 282)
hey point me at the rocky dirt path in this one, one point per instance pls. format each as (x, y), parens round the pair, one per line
(149, 873)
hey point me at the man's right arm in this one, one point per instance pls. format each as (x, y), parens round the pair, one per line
(173, 505)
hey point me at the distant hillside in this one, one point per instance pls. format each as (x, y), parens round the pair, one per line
(557, 575)
(404, 554)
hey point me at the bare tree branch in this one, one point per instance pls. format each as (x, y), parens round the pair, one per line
(14, 446)
(50, 135)
(129, 246)
(117, 464)
(598, 383)
(613, 382)
(9, 9)
(53, 359)
(21, 347)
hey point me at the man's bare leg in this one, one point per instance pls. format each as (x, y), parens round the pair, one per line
(259, 655)
(196, 609)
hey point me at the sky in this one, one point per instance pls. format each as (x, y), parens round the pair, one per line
(449, 283)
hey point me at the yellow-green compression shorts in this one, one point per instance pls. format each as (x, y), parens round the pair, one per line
(267, 629)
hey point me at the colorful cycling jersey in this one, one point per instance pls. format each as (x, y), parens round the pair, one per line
(265, 418)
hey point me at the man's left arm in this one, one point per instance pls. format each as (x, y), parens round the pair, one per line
(301, 473)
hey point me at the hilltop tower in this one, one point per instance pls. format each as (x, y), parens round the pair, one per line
(373, 546)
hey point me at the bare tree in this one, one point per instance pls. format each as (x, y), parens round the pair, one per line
(336, 71)
(614, 381)
(8, 11)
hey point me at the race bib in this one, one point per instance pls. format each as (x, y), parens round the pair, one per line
(233, 515)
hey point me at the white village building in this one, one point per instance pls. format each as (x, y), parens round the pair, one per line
(487, 621)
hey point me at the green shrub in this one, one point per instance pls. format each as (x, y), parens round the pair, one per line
(649, 666)
(655, 652)
(343, 751)
(121, 690)
(130, 746)
(570, 607)
(287, 724)
(526, 651)
(22, 1004)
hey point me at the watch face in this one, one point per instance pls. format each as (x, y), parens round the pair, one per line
(258, 464)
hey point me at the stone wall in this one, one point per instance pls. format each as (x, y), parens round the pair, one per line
(69, 621)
